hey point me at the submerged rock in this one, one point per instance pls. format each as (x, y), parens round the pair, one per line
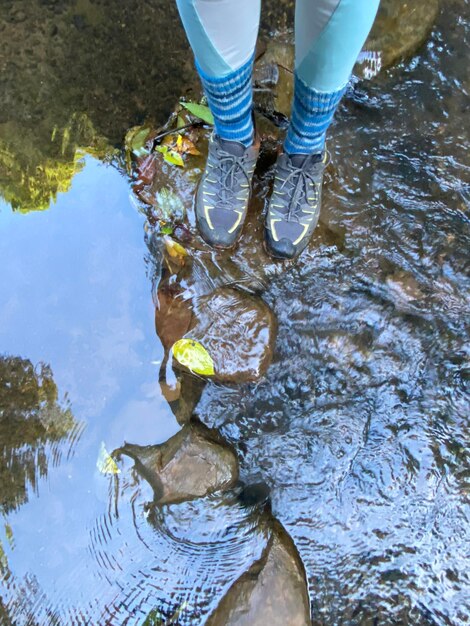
(400, 28)
(193, 463)
(185, 395)
(273, 591)
(237, 330)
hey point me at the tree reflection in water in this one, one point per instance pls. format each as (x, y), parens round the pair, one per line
(32, 427)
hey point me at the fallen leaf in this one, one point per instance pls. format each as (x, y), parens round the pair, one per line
(194, 356)
(146, 169)
(170, 156)
(174, 158)
(135, 140)
(186, 146)
(105, 463)
(174, 249)
(200, 111)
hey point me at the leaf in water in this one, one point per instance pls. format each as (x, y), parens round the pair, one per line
(170, 205)
(167, 230)
(176, 614)
(105, 463)
(174, 249)
(174, 158)
(194, 356)
(170, 156)
(135, 140)
(154, 618)
(186, 146)
(200, 111)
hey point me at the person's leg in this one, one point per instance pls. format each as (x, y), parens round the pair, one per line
(222, 34)
(329, 38)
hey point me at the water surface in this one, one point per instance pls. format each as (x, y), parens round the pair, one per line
(363, 439)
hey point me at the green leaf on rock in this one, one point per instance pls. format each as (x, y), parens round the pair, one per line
(105, 463)
(194, 356)
(200, 111)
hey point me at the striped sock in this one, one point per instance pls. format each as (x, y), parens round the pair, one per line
(230, 99)
(312, 113)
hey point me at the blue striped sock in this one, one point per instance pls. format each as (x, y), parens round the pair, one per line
(230, 99)
(312, 113)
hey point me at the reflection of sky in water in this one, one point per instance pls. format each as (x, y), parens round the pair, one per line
(74, 294)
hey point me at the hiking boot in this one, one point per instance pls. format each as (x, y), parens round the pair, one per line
(224, 191)
(294, 207)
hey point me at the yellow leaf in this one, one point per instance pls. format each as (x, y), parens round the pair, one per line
(174, 158)
(194, 356)
(187, 146)
(105, 463)
(179, 143)
(174, 249)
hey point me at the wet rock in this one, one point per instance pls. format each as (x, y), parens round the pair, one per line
(193, 463)
(235, 326)
(238, 331)
(400, 28)
(273, 591)
(404, 287)
(182, 394)
(280, 54)
(172, 317)
(162, 186)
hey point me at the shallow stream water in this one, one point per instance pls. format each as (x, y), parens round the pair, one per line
(360, 427)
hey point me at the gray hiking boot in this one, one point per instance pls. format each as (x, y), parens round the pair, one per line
(224, 191)
(294, 207)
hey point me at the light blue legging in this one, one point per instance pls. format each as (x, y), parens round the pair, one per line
(329, 35)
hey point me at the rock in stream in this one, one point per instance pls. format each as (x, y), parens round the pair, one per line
(273, 591)
(193, 463)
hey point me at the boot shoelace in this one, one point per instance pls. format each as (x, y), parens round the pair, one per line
(229, 164)
(300, 179)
